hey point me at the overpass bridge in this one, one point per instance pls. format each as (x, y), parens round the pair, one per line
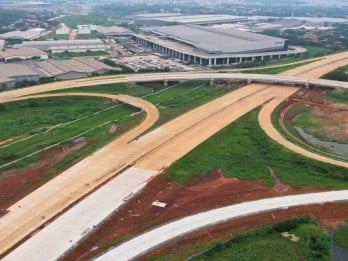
(249, 78)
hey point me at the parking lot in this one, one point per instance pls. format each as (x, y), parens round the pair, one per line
(153, 62)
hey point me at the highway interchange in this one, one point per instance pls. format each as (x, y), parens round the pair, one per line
(145, 156)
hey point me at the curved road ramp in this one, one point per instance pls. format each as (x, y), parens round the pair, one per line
(142, 244)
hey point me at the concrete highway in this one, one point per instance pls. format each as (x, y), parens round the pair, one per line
(152, 151)
(144, 243)
(57, 238)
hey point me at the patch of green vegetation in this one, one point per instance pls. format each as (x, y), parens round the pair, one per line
(67, 55)
(92, 35)
(54, 125)
(317, 51)
(28, 116)
(244, 151)
(338, 96)
(291, 133)
(75, 20)
(305, 119)
(266, 243)
(341, 236)
(339, 74)
(53, 36)
(277, 70)
(98, 138)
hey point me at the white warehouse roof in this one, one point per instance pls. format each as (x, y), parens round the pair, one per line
(213, 40)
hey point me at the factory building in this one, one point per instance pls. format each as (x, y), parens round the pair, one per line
(23, 35)
(113, 31)
(213, 47)
(25, 53)
(66, 45)
(18, 72)
(12, 73)
(70, 69)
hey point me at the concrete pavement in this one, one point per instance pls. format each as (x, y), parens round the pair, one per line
(144, 243)
(52, 241)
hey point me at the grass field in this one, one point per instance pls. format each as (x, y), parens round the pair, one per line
(74, 20)
(244, 151)
(67, 55)
(38, 124)
(53, 36)
(267, 243)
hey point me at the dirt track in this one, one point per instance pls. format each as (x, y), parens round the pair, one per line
(179, 136)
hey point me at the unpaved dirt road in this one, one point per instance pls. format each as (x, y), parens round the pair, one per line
(174, 139)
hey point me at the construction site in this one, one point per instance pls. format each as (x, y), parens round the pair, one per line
(147, 151)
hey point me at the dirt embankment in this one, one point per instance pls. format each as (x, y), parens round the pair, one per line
(197, 195)
(329, 215)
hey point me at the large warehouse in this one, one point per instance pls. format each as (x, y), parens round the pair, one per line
(66, 45)
(212, 46)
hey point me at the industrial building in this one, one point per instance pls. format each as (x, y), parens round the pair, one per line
(18, 72)
(12, 73)
(63, 31)
(211, 46)
(177, 18)
(25, 53)
(23, 35)
(113, 31)
(70, 69)
(66, 45)
(6, 83)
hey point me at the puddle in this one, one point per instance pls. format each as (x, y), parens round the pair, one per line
(333, 147)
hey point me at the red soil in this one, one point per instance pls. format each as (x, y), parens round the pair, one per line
(330, 214)
(333, 116)
(197, 195)
(15, 184)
